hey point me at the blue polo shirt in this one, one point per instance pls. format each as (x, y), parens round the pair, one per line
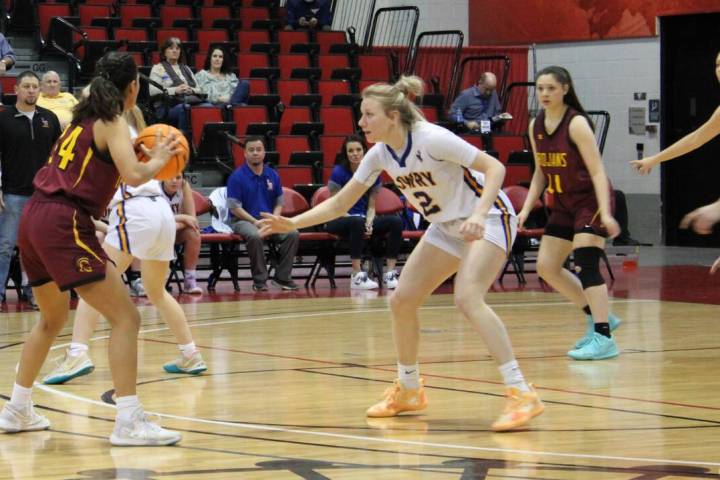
(256, 193)
(476, 107)
(340, 176)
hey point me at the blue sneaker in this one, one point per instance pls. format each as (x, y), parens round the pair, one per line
(612, 320)
(599, 347)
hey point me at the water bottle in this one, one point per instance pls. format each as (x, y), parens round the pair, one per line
(458, 116)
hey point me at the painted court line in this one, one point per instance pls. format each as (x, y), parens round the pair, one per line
(363, 438)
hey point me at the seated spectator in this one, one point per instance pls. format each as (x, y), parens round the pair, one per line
(361, 220)
(179, 194)
(60, 103)
(254, 188)
(7, 57)
(173, 73)
(220, 84)
(477, 103)
(311, 14)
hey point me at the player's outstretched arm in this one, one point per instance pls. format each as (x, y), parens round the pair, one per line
(688, 143)
(332, 208)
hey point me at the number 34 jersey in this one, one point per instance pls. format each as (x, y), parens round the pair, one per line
(77, 171)
(433, 172)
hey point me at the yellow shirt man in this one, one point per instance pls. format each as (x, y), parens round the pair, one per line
(60, 103)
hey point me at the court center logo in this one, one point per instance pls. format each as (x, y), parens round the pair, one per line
(83, 265)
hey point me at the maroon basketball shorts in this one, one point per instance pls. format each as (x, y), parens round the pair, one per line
(58, 244)
(574, 213)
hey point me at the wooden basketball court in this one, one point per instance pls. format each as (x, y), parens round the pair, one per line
(291, 376)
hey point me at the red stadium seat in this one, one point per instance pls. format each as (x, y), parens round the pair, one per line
(199, 116)
(329, 88)
(330, 63)
(337, 120)
(287, 144)
(374, 67)
(243, 116)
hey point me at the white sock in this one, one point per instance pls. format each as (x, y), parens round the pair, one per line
(20, 398)
(190, 273)
(77, 349)
(188, 349)
(126, 406)
(512, 376)
(409, 375)
(24, 278)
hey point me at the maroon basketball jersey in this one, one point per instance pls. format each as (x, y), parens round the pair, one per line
(77, 171)
(559, 158)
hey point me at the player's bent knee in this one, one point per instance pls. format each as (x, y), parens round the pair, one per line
(587, 266)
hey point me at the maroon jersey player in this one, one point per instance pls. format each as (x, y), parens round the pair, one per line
(60, 250)
(569, 166)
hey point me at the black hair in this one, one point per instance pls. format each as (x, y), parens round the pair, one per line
(167, 44)
(225, 67)
(254, 138)
(563, 77)
(25, 74)
(342, 158)
(106, 98)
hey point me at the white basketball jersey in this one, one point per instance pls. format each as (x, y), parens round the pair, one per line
(433, 173)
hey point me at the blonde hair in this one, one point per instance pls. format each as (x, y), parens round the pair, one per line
(134, 117)
(400, 96)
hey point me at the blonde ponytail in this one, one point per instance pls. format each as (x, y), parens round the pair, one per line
(399, 96)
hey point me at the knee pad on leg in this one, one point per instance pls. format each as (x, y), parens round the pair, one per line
(587, 266)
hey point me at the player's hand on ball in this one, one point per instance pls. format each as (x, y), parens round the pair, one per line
(473, 228)
(164, 148)
(271, 224)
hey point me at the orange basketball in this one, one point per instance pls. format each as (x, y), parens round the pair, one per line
(176, 164)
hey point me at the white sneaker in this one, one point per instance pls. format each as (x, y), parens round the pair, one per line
(361, 281)
(391, 279)
(137, 289)
(141, 431)
(13, 420)
(190, 286)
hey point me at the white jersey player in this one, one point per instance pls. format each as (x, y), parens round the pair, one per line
(471, 234)
(142, 226)
(434, 173)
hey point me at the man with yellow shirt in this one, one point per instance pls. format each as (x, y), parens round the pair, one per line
(60, 103)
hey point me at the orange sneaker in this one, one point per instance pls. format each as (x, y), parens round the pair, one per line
(520, 408)
(397, 399)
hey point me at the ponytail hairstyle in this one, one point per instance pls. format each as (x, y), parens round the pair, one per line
(562, 76)
(341, 158)
(106, 93)
(400, 97)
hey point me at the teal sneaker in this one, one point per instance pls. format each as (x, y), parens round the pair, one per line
(69, 367)
(193, 365)
(599, 347)
(612, 320)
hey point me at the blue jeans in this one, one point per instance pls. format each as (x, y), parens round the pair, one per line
(9, 222)
(241, 93)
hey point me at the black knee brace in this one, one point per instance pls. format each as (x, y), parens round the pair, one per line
(587, 266)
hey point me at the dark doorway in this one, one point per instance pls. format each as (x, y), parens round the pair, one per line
(689, 95)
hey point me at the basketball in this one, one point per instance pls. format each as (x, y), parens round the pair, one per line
(176, 164)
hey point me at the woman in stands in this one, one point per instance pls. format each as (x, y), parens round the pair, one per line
(220, 84)
(142, 226)
(182, 87)
(457, 188)
(361, 220)
(568, 164)
(60, 250)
